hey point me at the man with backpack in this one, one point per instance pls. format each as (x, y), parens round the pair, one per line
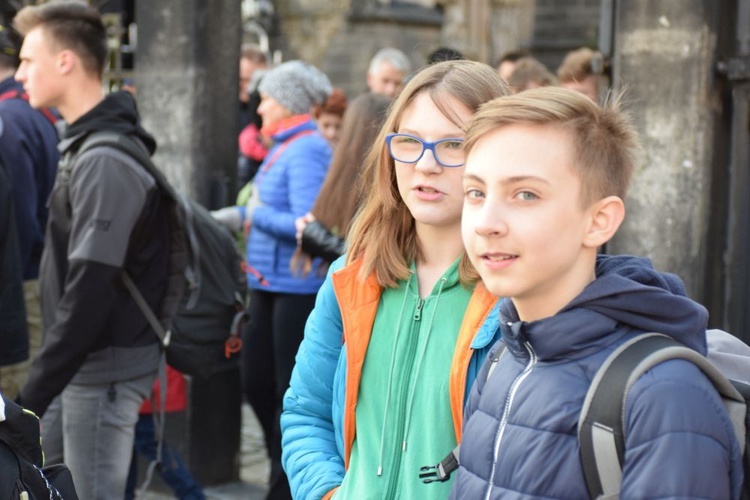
(108, 220)
(28, 148)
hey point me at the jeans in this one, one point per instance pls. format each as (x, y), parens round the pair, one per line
(51, 431)
(98, 429)
(172, 469)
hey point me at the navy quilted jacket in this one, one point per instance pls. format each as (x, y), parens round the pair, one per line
(28, 147)
(520, 432)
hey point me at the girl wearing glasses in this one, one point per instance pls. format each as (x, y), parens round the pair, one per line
(391, 348)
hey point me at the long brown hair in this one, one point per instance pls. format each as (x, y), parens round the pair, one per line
(382, 234)
(339, 196)
(337, 201)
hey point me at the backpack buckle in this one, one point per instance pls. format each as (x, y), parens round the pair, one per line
(433, 474)
(442, 471)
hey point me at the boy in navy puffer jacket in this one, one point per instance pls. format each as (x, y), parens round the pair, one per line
(546, 174)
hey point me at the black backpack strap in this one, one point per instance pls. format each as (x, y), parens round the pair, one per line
(139, 153)
(131, 147)
(442, 471)
(165, 336)
(137, 150)
(494, 360)
(601, 426)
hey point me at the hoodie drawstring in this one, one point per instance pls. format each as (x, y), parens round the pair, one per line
(390, 375)
(410, 401)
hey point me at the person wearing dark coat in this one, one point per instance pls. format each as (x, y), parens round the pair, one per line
(28, 148)
(14, 340)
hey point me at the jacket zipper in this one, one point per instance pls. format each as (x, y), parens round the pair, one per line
(404, 394)
(506, 412)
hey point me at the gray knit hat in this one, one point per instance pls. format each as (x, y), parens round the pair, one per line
(297, 86)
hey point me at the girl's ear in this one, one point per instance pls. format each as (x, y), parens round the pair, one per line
(606, 215)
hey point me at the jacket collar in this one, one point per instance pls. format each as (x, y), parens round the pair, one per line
(281, 131)
(10, 84)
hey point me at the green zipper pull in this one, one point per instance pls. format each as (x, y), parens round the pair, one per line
(418, 312)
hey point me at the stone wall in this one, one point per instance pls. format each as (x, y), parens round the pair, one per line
(561, 26)
(669, 202)
(340, 36)
(349, 57)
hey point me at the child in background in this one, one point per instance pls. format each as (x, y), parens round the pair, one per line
(330, 115)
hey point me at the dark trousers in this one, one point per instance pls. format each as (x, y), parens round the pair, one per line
(270, 341)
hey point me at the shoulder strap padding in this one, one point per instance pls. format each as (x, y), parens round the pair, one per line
(601, 429)
(133, 148)
(178, 261)
(494, 360)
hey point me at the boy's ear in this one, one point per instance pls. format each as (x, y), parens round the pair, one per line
(66, 61)
(606, 216)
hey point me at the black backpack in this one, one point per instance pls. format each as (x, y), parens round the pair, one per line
(22, 474)
(601, 434)
(200, 317)
(601, 431)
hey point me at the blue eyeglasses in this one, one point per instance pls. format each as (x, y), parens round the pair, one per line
(407, 148)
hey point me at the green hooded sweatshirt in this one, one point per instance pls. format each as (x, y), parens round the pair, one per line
(403, 413)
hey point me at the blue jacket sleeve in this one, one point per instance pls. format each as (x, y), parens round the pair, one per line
(307, 163)
(478, 383)
(687, 448)
(310, 453)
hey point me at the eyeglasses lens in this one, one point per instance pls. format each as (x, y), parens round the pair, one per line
(407, 149)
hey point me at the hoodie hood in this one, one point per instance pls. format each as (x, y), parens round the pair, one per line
(628, 297)
(117, 112)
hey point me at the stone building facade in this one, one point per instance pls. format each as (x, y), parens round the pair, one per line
(341, 36)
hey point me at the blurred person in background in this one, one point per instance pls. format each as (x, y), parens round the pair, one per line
(581, 70)
(329, 115)
(387, 71)
(28, 148)
(14, 340)
(506, 63)
(530, 73)
(284, 189)
(322, 231)
(252, 59)
(252, 148)
(444, 54)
